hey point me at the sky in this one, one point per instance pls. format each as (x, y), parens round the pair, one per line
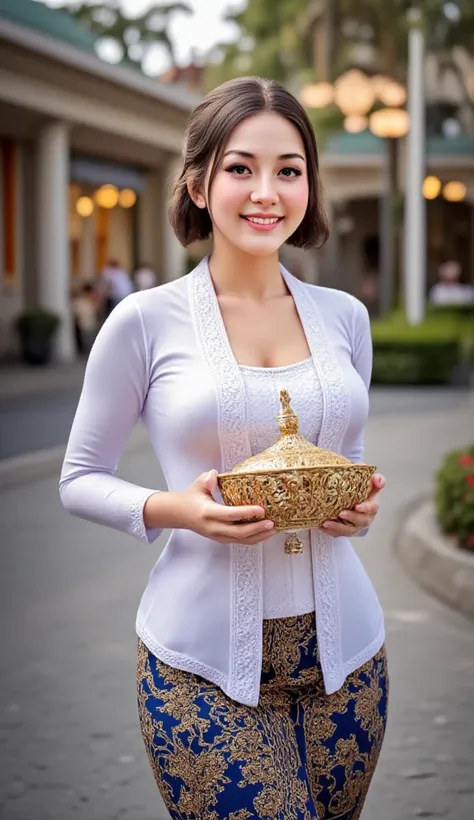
(198, 32)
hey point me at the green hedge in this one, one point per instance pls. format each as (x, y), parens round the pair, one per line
(463, 312)
(454, 496)
(422, 354)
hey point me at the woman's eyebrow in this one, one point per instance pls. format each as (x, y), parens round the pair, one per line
(248, 155)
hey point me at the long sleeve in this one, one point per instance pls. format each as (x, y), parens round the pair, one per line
(111, 402)
(362, 355)
(362, 362)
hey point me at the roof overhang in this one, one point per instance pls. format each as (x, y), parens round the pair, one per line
(342, 150)
(44, 77)
(172, 95)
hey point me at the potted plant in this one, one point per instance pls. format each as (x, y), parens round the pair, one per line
(36, 328)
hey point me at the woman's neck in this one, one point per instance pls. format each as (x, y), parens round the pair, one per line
(244, 276)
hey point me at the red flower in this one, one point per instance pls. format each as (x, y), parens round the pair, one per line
(470, 479)
(465, 460)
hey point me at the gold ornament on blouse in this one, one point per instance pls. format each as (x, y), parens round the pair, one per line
(299, 486)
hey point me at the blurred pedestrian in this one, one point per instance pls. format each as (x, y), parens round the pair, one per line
(85, 306)
(370, 292)
(262, 677)
(449, 290)
(144, 277)
(116, 285)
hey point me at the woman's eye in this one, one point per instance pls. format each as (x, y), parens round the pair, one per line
(289, 172)
(238, 169)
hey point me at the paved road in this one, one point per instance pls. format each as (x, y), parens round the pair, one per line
(35, 422)
(70, 744)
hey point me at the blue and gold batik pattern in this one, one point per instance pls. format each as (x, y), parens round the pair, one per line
(300, 754)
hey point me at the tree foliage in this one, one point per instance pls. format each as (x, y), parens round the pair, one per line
(385, 23)
(273, 41)
(134, 35)
(276, 38)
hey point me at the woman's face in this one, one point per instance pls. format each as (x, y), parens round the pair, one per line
(259, 194)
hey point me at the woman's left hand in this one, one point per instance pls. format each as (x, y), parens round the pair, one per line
(353, 521)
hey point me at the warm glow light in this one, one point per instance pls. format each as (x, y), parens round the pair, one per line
(393, 94)
(84, 206)
(431, 187)
(107, 196)
(379, 83)
(127, 198)
(454, 191)
(470, 84)
(355, 124)
(354, 93)
(389, 123)
(317, 95)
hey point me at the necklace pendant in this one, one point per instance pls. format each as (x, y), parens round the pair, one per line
(293, 545)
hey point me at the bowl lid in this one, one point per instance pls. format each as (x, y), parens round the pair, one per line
(290, 450)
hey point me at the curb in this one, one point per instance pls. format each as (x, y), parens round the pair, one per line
(45, 463)
(429, 559)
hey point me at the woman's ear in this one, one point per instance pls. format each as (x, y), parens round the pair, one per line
(196, 194)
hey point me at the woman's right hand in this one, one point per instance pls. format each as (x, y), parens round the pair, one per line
(206, 517)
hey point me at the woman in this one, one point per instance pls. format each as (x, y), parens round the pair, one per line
(262, 678)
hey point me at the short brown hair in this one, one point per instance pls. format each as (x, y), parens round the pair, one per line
(208, 131)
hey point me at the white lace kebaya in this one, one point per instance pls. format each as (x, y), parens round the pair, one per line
(164, 356)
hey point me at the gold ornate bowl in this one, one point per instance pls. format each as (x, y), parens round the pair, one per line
(299, 486)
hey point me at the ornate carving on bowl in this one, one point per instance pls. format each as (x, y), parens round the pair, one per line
(299, 486)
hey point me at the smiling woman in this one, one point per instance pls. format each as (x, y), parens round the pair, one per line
(218, 140)
(262, 680)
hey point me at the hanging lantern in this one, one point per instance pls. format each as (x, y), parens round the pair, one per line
(84, 206)
(355, 124)
(107, 196)
(431, 187)
(389, 123)
(354, 93)
(317, 95)
(127, 198)
(379, 83)
(393, 94)
(454, 191)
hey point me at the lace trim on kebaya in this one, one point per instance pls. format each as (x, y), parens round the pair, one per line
(179, 661)
(137, 524)
(336, 401)
(365, 655)
(246, 613)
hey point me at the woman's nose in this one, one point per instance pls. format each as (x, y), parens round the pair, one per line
(264, 192)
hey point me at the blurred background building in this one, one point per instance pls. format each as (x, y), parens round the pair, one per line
(364, 158)
(87, 150)
(91, 133)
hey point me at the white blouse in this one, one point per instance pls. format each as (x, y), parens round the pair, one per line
(163, 356)
(287, 579)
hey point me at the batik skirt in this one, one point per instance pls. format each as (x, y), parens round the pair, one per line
(300, 754)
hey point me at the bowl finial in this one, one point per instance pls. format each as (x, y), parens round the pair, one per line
(287, 418)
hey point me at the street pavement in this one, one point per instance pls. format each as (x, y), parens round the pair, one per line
(36, 422)
(70, 742)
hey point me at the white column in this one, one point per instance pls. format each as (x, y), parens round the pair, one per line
(149, 222)
(471, 272)
(174, 255)
(87, 251)
(415, 206)
(53, 232)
